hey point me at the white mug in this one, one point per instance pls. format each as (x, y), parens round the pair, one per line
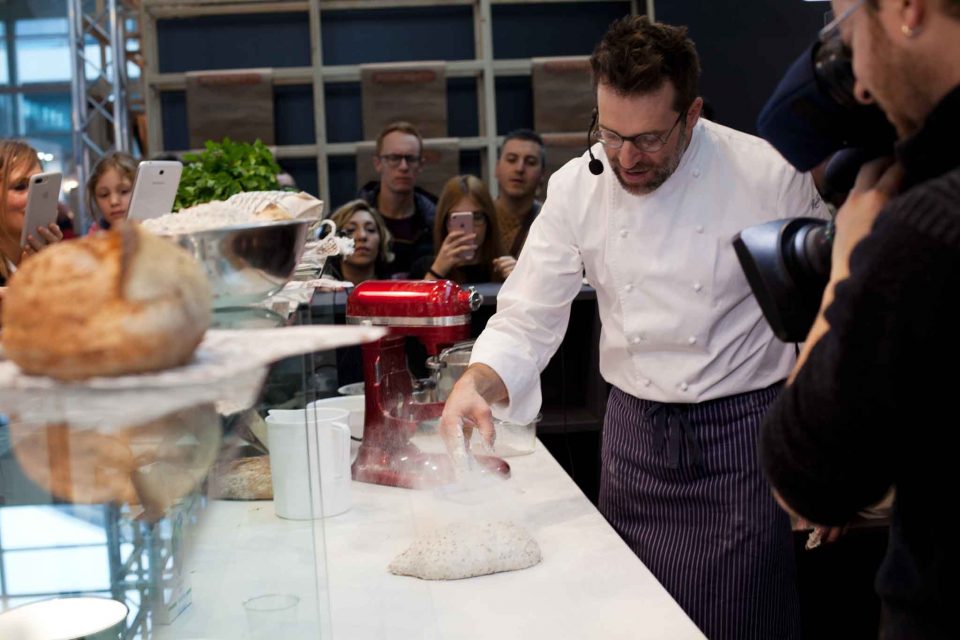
(309, 462)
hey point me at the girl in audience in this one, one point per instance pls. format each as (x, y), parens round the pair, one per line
(19, 163)
(109, 189)
(463, 257)
(371, 239)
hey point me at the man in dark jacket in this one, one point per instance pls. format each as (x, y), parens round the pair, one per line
(868, 406)
(408, 210)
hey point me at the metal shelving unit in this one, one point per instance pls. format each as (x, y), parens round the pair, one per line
(98, 83)
(484, 67)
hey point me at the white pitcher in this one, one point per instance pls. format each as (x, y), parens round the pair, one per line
(309, 462)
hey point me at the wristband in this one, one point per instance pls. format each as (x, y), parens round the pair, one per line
(435, 274)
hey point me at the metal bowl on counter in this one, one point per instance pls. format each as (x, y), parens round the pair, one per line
(246, 263)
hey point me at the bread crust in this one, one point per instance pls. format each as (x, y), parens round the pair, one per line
(111, 304)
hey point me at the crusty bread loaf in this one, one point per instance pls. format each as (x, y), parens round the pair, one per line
(114, 303)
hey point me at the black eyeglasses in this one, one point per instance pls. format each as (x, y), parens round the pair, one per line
(832, 30)
(393, 160)
(646, 142)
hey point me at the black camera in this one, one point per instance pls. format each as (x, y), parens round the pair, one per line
(811, 116)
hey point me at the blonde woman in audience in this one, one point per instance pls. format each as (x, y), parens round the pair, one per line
(464, 257)
(109, 189)
(372, 251)
(19, 163)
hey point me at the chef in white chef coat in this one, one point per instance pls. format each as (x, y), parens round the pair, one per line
(692, 362)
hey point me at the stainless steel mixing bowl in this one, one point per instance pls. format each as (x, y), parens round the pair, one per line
(247, 263)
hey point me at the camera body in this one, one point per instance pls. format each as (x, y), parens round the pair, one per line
(787, 264)
(811, 117)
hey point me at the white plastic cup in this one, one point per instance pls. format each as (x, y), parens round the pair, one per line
(355, 405)
(309, 462)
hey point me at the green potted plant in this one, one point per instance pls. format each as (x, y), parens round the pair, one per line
(223, 169)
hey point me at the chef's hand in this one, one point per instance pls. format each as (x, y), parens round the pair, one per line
(878, 181)
(50, 234)
(504, 265)
(451, 253)
(468, 407)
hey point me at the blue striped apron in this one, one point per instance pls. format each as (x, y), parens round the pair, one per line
(682, 486)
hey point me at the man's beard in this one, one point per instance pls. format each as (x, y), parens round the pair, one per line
(660, 173)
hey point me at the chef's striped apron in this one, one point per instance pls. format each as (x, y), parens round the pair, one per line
(682, 485)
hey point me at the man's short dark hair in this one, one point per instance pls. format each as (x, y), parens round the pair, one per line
(637, 56)
(530, 136)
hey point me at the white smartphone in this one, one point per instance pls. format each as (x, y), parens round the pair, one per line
(154, 189)
(43, 191)
(461, 221)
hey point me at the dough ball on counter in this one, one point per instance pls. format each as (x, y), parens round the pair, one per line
(110, 304)
(468, 549)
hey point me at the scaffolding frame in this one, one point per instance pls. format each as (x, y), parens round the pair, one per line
(100, 113)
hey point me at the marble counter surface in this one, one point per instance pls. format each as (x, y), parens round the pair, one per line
(589, 584)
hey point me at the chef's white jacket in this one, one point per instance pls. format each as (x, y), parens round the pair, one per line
(679, 321)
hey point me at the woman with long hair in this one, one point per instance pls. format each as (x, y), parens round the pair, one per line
(371, 240)
(19, 163)
(464, 257)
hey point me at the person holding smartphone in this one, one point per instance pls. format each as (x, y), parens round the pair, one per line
(109, 189)
(18, 163)
(465, 232)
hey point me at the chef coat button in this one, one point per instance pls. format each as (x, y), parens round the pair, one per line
(629, 287)
(623, 233)
(683, 386)
(636, 339)
(692, 340)
(697, 286)
(696, 173)
(699, 228)
(646, 382)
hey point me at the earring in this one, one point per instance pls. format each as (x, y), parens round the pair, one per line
(908, 31)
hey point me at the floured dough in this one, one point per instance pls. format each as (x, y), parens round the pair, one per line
(468, 549)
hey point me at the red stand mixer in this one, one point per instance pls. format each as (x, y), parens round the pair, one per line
(438, 314)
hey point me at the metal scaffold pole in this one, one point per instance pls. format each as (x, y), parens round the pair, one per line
(98, 86)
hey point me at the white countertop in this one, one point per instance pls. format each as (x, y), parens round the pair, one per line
(589, 584)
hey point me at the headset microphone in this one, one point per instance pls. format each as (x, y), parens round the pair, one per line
(595, 166)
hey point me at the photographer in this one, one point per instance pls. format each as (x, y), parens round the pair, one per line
(865, 407)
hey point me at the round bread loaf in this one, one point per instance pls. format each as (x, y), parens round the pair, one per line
(114, 303)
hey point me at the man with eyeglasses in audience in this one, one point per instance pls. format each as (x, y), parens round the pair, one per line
(407, 209)
(692, 362)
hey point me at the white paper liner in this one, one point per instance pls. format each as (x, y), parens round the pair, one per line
(299, 205)
(228, 369)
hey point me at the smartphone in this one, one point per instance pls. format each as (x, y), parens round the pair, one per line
(43, 191)
(154, 189)
(461, 221)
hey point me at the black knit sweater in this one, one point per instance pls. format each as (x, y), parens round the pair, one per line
(875, 404)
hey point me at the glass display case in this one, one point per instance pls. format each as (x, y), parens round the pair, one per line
(141, 492)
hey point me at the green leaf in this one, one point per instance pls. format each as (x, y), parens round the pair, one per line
(225, 168)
